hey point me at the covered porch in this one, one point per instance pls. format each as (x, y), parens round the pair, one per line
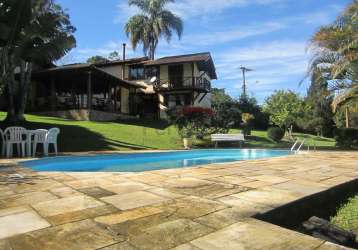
(78, 87)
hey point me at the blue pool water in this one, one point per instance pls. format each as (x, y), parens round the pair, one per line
(138, 162)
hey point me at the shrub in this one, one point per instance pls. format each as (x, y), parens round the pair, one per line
(192, 121)
(346, 137)
(275, 133)
(226, 115)
(247, 123)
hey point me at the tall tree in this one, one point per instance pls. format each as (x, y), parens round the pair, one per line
(154, 22)
(336, 49)
(284, 108)
(336, 55)
(318, 115)
(36, 32)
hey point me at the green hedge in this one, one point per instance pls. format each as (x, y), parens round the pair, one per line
(275, 133)
(346, 137)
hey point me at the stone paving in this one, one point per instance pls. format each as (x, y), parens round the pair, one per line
(207, 207)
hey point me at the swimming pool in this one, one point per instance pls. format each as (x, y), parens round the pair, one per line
(139, 162)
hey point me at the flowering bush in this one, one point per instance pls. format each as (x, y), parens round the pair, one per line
(192, 121)
(247, 123)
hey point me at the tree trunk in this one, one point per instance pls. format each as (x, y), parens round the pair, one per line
(9, 79)
(26, 72)
(347, 117)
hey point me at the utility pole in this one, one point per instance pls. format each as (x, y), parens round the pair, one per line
(244, 87)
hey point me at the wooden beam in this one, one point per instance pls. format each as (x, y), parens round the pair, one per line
(53, 95)
(192, 75)
(89, 90)
(115, 99)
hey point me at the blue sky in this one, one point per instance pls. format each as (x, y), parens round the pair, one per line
(269, 36)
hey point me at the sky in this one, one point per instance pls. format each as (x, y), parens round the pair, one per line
(269, 36)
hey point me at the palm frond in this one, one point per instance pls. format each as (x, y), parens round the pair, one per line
(345, 97)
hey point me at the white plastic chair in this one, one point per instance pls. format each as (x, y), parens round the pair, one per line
(40, 136)
(15, 135)
(46, 138)
(3, 142)
(52, 138)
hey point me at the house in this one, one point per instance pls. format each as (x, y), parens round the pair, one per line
(136, 87)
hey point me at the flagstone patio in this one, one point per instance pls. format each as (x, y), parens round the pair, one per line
(207, 207)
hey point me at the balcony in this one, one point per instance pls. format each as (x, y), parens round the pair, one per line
(200, 84)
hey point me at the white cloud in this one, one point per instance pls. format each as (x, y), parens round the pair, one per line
(192, 8)
(239, 32)
(276, 65)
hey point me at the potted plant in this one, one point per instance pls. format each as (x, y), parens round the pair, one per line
(191, 122)
(187, 134)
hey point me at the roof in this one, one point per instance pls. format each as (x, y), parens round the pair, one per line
(81, 67)
(205, 60)
(127, 61)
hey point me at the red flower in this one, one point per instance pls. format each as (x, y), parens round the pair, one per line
(190, 110)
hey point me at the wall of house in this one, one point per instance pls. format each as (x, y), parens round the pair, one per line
(164, 75)
(124, 101)
(116, 70)
(205, 103)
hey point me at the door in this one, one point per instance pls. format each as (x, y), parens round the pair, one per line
(176, 75)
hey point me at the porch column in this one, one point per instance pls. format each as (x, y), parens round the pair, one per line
(89, 91)
(73, 96)
(115, 99)
(192, 75)
(53, 95)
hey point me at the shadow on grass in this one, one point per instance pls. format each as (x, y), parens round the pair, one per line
(155, 124)
(313, 137)
(79, 139)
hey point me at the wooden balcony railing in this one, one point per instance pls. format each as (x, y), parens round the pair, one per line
(199, 83)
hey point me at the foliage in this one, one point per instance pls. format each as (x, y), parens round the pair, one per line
(347, 215)
(32, 32)
(97, 59)
(284, 108)
(247, 123)
(275, 134)
(226, 113)
(336, 49)
(101, 59)
(336, 54)
(346, 137)
(153, 23)
(249, 105)
(317, 116)
(192, 121)
(113, 56)
(218, 96)
(345, 106)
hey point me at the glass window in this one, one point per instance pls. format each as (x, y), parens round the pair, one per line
(151, 72)
(136, 73)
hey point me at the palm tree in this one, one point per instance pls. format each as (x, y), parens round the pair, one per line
(40, 37)
(336, 49)
(153, 23)
(347, 101)
(336, 57)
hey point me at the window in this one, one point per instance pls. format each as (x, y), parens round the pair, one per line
(152, 72)
(136, 73)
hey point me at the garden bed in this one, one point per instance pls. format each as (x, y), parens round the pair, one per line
(326, 205)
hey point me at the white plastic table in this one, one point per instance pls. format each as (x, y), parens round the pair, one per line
(29, 134)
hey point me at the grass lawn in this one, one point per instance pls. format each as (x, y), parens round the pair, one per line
(79, 136)
(347, 215)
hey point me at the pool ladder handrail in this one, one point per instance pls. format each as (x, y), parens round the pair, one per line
(299, 147)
